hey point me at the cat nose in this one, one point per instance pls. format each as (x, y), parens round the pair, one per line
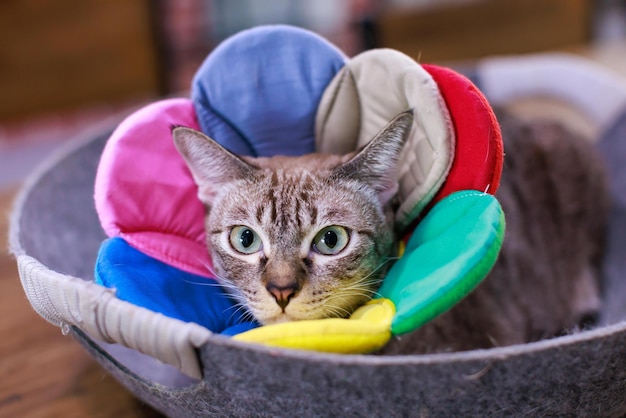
(282, 294)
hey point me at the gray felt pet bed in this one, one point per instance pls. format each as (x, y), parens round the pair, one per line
(188, 371)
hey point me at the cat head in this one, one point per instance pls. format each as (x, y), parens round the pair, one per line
(298, 238)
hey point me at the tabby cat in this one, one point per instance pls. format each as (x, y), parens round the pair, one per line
(299, 237)
(311, 237)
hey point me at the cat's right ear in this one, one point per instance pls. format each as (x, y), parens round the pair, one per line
(376, 163)
(210, 164)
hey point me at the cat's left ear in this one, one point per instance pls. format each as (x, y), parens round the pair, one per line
(376, 163)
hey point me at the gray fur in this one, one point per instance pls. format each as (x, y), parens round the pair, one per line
(554, 193)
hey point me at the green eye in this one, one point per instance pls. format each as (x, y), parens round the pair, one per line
(245, 240)
(331, 240)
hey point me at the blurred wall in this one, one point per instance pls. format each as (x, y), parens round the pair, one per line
(462, 29)
(67, 54)
(62, 54)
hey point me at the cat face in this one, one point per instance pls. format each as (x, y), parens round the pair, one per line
(298, 238)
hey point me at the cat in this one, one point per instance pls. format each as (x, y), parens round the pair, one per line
(304, 237)
(311, 237)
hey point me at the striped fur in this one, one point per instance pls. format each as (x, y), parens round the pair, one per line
(287, 201)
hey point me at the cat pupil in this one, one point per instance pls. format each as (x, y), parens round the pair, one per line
(330, 239)
(246, 238)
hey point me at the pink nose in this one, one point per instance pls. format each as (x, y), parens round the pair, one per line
(282, 294)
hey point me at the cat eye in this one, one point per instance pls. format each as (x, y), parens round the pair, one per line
(245, 240)
(331, 240)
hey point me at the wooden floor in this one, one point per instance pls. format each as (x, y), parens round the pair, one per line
(42, 372)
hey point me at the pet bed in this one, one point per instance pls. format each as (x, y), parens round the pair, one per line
(55, 236)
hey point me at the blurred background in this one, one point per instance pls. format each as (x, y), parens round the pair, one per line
(67, 64)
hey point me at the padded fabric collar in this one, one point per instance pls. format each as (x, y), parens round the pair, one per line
(258, 94)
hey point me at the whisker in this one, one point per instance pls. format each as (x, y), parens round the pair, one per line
(243, 310)
(209, 282)
(338, 311)
(364, 287)
(209, 268)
